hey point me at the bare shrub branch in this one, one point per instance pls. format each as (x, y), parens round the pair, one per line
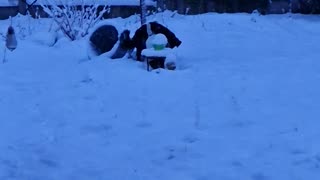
(74, 20)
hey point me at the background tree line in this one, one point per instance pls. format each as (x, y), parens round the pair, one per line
(232, 6)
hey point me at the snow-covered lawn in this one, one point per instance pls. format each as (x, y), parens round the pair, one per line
(243, 104)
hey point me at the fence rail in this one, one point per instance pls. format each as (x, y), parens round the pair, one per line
(248, 6)
(192, 7)
(36, 10)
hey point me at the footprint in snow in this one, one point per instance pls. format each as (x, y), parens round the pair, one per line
(259, 176)
(144, 124)
(190, 139)
(49, 163)
(102, 129)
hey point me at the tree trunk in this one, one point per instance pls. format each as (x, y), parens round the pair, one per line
(143, 14)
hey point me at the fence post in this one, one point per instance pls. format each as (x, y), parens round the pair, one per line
(181, 6)
(22, 7)
(160, 5)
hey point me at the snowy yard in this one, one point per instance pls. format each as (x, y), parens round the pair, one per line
(243, 104)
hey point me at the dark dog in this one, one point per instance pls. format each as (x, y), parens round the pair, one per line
(105, 38)
(141, 35)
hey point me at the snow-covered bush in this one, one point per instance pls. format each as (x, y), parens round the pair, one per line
(73, 19)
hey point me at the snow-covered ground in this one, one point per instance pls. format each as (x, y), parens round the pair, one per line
(243, 104)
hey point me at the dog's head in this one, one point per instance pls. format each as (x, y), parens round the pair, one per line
(125, 40)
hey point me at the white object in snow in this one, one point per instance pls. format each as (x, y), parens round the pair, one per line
(156, 53)
(156, 39)
(160, 39)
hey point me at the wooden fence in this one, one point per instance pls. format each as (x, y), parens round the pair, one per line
(192, 7)
(248, 6)
(115, 11)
